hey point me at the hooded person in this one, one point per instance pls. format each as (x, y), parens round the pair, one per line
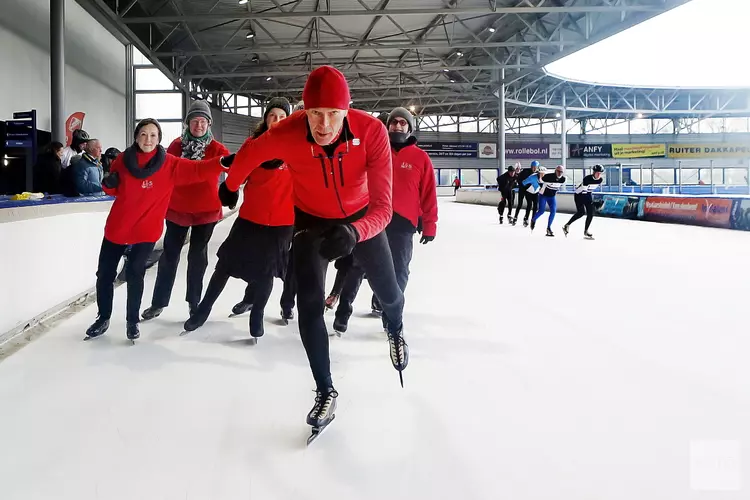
(340, 162)
(414, 195)
(141, 179)
(195, 208)
(257, 248)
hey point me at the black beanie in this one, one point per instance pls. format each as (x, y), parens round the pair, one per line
(143, 123)
(279, 103)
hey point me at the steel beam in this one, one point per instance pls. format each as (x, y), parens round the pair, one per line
(349, 71)
(379, 88)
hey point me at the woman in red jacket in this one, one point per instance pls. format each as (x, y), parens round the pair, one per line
(141, 179)
(194, 207)
(257, 248)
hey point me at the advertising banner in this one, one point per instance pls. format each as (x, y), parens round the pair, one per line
(639, 150)
(73, 123)
(618, 205)
(708, 150)
(487, 150)
(715, 212)
(555, 151)
(590, 150)
(453, 149)
(529, 150)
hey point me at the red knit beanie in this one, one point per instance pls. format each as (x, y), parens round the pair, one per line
(326, 87)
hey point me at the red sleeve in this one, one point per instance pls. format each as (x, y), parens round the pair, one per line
(379, 181)
(175, 149)
(116, 167)
(252, 153)
(188, 171)
(428, 199)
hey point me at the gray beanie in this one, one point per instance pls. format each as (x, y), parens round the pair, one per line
(402, 113)
(278, 103)
(199, 108)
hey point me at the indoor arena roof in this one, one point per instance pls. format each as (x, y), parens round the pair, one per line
(441, 56)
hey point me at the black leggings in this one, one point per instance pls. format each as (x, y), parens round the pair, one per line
(256, 293)
(532, 203)
(135, 269)
(584, 206)
(507, 197)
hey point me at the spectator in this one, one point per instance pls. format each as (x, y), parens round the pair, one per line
(48, 169)
(77, 145)
(108, 157)
(456, 185)
(87, 170)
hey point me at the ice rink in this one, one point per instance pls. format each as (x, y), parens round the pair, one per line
(541, 368)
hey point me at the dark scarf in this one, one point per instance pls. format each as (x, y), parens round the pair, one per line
(154, 164)
(194, 148)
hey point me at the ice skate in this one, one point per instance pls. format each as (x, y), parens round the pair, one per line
(287, 316)
(133, 332)
(322, 412)
(526, 223)
(513, 221)
(331, 301)
(339, 326)
(240, 308)
(377, 310)
(192, 308)
(588, 236)
(98, 329)
(533, 224)
(566, 229)
(399, 352)
(151, 313)
(501, 219)
(196, 321)
(550, 233)
(256, 324)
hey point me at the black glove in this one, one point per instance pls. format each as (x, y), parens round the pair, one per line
(226, 161)
(228, 198)
(338, 241)
(419, 225)
(426, 239)
(111, 181)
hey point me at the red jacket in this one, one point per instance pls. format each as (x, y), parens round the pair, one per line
(358, 176)
(267, 197)
(414, 191)
(137, 215)
(200, 198)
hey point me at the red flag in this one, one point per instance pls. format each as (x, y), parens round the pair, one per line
(74, 122)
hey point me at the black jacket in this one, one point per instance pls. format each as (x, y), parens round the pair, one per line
(506, 183)
(525, 174)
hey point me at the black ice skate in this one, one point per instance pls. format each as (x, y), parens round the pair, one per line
(526, 223)
(256, 326)
(133, 332)
(240, 308)
(533, 224)
(566, 229)
(550, 233)
(588, 236)
(339, 326)
(98, 329)
(196, 321)
(287, 316)
(513, 221)
(192, 308)
(399, 352)
(501, 219)
(322, 413)
(151, 313)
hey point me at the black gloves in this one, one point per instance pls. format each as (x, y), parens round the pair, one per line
(419, 225)
(228, 198)
(226, 161)
(111, 181)
(426, 239)
(338, 241)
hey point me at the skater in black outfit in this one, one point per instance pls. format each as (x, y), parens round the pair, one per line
(584, 201)
(524, 194)
(505, 184)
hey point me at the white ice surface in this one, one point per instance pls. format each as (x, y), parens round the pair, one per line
(541, 369)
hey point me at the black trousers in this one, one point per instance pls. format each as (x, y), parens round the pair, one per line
(401, 244)
(584, 206)
(257, 293)
(109, 257)
(507, 198)
(174, 240)
(287, 295)
(374, 256)
(532, 203)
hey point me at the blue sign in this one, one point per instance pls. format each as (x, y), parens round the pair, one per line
(19, 134)
(452, 149)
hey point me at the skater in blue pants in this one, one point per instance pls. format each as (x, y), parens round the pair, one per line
(550, 184)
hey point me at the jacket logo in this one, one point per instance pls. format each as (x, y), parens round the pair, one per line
(355, 142)
(407, 166)
(147, 184)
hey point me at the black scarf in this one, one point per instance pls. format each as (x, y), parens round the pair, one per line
(154, 164)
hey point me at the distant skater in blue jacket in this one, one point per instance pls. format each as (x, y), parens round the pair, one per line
(550, 184)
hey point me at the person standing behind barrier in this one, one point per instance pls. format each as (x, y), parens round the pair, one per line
(456, 185)
(195, 208)
(505, 184)
(551, 183)
(257, 248)
(141, 180)
(584, 201)
(523, 193)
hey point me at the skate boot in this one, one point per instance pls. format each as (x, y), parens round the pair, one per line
(151, 313)
(256, 324)
(588, 235)
(331, 301)
(340, 325)
(533, 224)
(99, 328)
(399, 352)
(196, 320)
(192, 308)
(287, 315)
(324, 409)
(501, 219)
(566, 229)
(132, 331)
(513, 221)
(550, 233)
(241, 308)
(526, 223)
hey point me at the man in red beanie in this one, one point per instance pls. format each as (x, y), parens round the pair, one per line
(340, 161)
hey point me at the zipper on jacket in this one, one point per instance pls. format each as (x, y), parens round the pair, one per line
(333, 174)
(341, 168)
(323, 169)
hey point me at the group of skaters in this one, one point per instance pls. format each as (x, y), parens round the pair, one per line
(322, 184)
(539, 189)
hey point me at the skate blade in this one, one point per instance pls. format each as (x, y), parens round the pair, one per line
(317, 431)
(401, 377)
(252, 341)
(184, 332)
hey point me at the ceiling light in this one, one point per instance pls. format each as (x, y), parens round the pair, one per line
(412, 108)
(453, 81)
(268, 79)
(557, 115)
(445, 70)
(249, 35)
(242, 2)
(639, 115)
(459, 53)
(492, 30)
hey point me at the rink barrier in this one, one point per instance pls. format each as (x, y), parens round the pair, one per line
(12, 211)
(26, 331)
(726, 212)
